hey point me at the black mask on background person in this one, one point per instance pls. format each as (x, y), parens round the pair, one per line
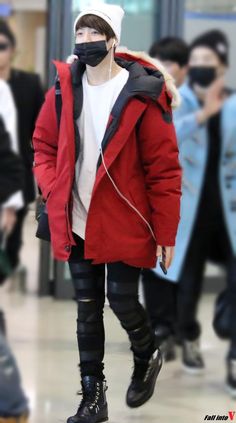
(91, 53)
(4, 46)
(202, 75)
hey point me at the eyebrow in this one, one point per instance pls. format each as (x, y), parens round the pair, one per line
(83, 27)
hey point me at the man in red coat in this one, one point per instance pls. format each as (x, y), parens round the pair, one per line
(111, 178)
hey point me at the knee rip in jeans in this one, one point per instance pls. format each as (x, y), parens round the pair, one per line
(88, 310)
(86, 300)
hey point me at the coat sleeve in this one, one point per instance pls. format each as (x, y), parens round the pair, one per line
(185, 126)
(159, 155)
(45, 141)
(185, 121)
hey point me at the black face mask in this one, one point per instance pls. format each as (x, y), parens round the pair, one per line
(4, 46)
(91, 53)
(202, 75)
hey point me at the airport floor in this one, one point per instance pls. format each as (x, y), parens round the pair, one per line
(42, 335)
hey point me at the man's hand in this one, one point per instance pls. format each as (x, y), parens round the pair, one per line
(71, 59)
(213, 101)
(8, 220)
(167, 254)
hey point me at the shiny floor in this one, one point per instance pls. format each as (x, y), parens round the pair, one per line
(42, 335)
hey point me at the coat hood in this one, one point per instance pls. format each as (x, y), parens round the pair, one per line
(151, 74)
(150, 64)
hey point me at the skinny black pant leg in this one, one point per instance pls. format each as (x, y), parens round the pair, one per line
(190, 286)
(160, 300)
(15, 240)
(89, 286)
(122, 293)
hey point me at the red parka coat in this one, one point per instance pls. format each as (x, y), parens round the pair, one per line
(141, 155)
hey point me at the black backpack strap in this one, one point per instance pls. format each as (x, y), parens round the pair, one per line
(58, 100)
(77, 110)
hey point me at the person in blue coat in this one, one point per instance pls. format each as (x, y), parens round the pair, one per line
(206, 131)
(160, 296)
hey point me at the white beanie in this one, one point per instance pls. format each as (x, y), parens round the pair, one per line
(110, 13)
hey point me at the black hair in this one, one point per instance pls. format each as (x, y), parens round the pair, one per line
(7, 32)
(95, 22)
(217, 41)
(171, 48)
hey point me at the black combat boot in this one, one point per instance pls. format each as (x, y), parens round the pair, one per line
(143, 379)
(93, 407)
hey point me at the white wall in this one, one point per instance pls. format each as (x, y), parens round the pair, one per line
(40, 56)
(29, 5)
(137, 32)
(194, 27)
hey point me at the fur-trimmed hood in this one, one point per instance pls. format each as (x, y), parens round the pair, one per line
(148, 62)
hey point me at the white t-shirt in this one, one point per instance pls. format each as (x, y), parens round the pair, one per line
(9, 117)
(98, 101)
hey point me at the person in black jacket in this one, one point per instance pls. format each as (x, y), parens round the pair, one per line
(9, 172)
(13, 402)
(28, 96)
(11, 169)
(161, 295)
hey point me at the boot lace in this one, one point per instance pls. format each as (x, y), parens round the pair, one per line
(90, 397)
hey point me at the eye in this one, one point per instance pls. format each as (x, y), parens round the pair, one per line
(80, 32)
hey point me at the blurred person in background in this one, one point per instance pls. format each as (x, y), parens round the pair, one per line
(28, 97)
(206, 130)
(103, 202)
(160, 295)
(15, 203)
(13, 402)
(173, 52)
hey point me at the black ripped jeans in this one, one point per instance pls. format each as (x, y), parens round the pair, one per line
(122, 293)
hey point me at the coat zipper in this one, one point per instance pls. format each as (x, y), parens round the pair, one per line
(68, 222)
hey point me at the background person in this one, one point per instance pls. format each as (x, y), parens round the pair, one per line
(28, 98)
(173, 52)
(206, 131)
(160, 295)
(13, 402)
